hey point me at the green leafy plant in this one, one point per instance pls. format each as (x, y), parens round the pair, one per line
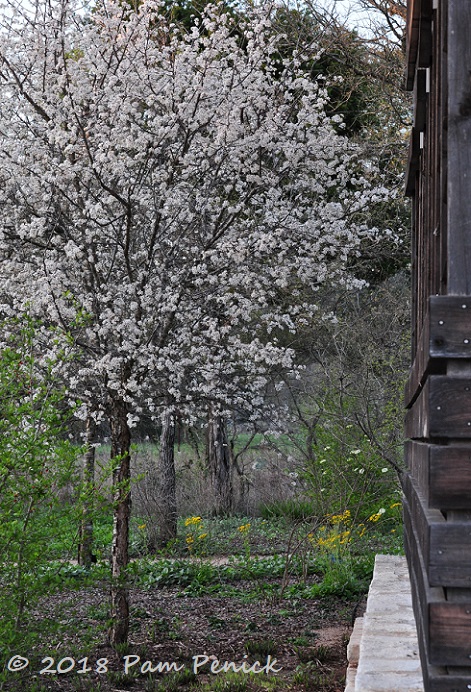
(37, 463)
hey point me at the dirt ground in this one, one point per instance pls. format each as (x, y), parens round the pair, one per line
(300, 644)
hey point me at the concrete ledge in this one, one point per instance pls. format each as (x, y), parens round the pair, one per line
(353, 654)
(383, 653)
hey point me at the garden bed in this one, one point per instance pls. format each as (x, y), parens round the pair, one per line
(303, 641)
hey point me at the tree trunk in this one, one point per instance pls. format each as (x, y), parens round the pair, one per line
(85, 555)
(244, 486)
(220, 464)
(168, 519)
(120, 452)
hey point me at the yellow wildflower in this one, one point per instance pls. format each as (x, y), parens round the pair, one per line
(377, 516)
(344, 518)
(245, 528)
(192, 521)
(327, 542)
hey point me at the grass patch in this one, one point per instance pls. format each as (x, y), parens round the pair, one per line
(261, 647)
(292, 509)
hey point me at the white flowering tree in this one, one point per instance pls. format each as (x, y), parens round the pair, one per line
(161, 191)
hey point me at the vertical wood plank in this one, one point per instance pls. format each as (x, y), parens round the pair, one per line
(459, 146)
(441, 30)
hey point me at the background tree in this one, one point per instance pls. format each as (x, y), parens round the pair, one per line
(349, 379)
(159, 188)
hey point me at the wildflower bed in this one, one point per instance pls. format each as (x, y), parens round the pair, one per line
(232, 591)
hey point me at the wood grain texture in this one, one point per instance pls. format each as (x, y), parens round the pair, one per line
(420, 520)
(444, 545)
(424, 55)
(449, 327)
(449, 474)
(449, 407)
(459, 146)
(442, 410)
(445, 334)
(450, 634)
(442, 474)
(417, 457)
(450, 555)
(420, 365)
(425, 598)
(437, 682)
(412, 162)
(417, 416)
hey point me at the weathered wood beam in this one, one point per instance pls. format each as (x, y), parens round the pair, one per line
(442, 410)
(445, 335)
(418, 38)
(445, 546)
(412, 36)
(442, 473)
(428, 602)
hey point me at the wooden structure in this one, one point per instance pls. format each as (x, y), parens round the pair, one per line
(437, 485)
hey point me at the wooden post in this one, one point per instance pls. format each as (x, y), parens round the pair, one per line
(437, 485)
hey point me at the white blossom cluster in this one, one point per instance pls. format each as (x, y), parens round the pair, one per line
(171, 200)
